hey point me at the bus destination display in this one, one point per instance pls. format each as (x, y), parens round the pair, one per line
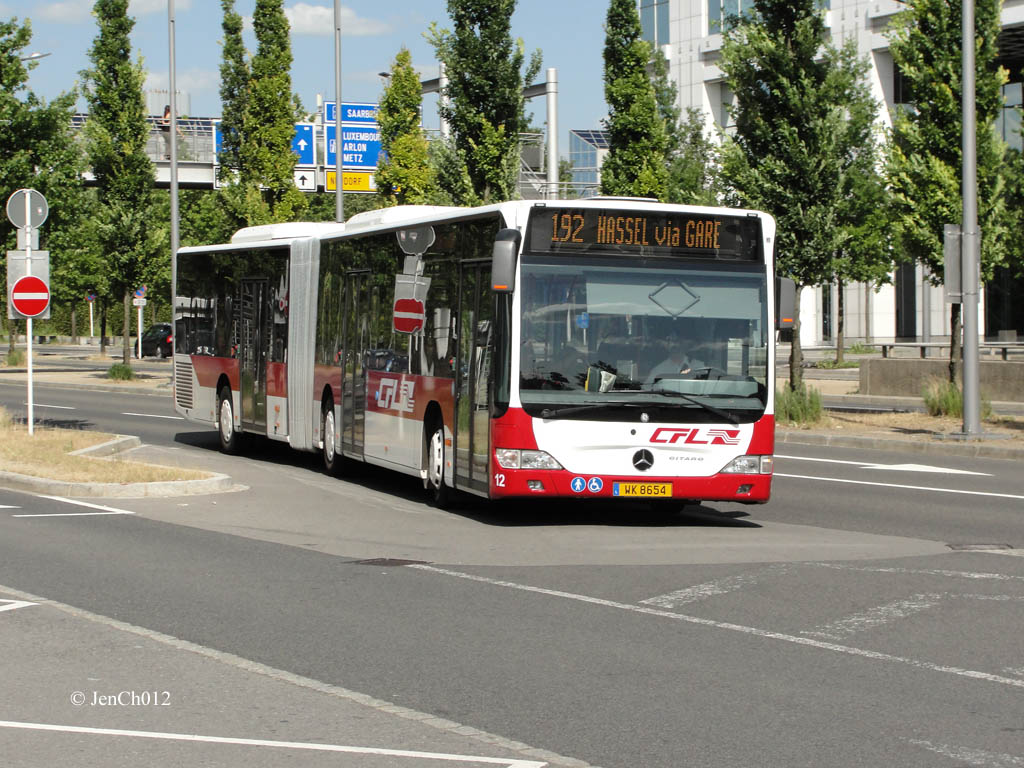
(644, 233)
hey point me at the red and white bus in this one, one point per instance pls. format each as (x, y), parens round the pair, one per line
(593, 348)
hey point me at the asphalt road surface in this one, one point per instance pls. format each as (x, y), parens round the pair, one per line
(869, 615)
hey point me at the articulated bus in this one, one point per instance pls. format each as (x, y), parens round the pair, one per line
(510, 350)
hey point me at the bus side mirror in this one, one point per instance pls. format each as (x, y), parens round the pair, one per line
(785, 302)
(503, 260)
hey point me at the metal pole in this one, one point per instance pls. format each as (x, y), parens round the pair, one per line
(28, 321)
(339, 202)
(174, 180)
(970, 243)
(552, 110)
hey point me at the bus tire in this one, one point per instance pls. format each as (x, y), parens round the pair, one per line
(439, 492)
(328, 436)
(230, 438)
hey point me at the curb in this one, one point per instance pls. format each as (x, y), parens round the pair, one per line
(974, 450)
(39, 485)
(215, 483)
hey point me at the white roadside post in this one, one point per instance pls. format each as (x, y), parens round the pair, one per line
(27, 210)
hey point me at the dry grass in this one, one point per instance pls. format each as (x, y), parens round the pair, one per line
(46, 454)
(1008, 430)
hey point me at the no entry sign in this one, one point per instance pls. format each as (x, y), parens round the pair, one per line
(30, 296)
(408, 315)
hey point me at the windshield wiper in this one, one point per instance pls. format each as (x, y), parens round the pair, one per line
(549, 413)
(710, 408)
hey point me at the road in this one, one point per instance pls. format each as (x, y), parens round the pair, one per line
(869, 615)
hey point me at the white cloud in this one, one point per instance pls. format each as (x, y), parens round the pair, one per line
(77, 11)
(200, 85)
(143, 7)
(318, 20)
(69, 12)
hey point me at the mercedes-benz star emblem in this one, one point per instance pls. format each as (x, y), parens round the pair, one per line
(643, 460)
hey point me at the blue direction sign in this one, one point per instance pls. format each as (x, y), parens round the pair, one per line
(360, 146)
(351, 112)
(302, 144)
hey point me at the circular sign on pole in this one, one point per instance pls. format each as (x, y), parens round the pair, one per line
(30, 296)
(37, 209)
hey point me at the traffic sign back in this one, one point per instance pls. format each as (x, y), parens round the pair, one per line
(37, 208)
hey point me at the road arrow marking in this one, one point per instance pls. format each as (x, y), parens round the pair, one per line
(12, 604)
(897, 467)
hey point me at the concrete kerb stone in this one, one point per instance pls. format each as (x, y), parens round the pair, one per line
(214, 483)
(945, 447)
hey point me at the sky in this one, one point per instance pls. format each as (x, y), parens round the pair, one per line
(569, 34)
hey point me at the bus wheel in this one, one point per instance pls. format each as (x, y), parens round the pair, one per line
(439, 492)
(329, 434)
(229, 436)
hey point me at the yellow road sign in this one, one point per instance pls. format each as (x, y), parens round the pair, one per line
(352, 181)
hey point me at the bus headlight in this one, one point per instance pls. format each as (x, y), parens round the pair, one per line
(512, 458)
(749, 465)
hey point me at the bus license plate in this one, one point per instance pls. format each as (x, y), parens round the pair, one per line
(645, 490)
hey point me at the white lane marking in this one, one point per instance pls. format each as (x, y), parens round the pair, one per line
(970, 756)
(12, 604)
(754, 631)
(154, 416)
(303, 745)
(875, 617)
(1018, 671)
(916, 572)
(707, 589)
(9, 506)
(102, 509)
(872, 465)
(896, 485)
(60, 407)
(336, 691)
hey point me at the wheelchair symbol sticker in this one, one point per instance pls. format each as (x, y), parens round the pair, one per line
(595, 485)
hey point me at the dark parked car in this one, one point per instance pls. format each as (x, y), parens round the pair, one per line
(158, 340)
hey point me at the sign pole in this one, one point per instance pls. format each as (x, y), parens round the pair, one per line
(28, 321)
(90, 319)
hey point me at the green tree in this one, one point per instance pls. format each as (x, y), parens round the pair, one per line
(127, 232)
(234, 93)
(404, 174)
(925, 161)
(485, 108)
(637, 143)
(270, 117)
(693, 177)
(38, 150)
(795, 145)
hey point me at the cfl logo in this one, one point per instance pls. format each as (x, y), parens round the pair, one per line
(691, 436)
(395, 395)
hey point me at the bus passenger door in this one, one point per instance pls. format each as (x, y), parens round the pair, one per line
(255, 319)
(353, 386)
(475, 353)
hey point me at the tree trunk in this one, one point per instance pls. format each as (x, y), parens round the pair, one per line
(796, 354)
(840, 317)
(126, 334)
(74, 326)
(12, 334)
(955, 350)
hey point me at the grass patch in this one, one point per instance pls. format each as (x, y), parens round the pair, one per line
(799, 406)
(15, 359)
(860, 349)
(121, 372)
(831, 364)
(944, 398)
(45, 454)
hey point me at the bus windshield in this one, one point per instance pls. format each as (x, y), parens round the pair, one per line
(673, 339)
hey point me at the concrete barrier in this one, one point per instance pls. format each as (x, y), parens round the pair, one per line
(1000, 381)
